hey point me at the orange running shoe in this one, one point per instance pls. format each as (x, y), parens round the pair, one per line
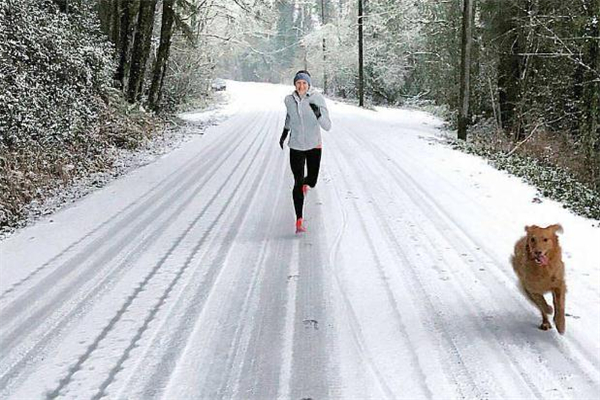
(300, 226)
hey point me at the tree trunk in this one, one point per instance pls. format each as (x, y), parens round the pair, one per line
(104, 11)
(590, 121)
(465, 72)
(303, 33)
(509, 66)
(361, 92)
(63, 5)
(115, 30)
(141, 49)
(160, 66)
(129, 9)
(324, 49)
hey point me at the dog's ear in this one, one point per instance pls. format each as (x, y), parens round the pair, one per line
(556, 228)
(529, 228)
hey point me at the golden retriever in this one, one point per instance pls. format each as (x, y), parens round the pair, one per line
(538, 264)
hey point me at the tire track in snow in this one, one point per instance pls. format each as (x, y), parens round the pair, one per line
(312, 369)
(161, 301)
(420, 198)
(238, 344)
(501, 273)
(50, 333)
(17, 308)
(464, 391)
(247, 367)
(157, 201)
(458, 246)
(287, 352)
(472, 387)
(433, 207)
(534, 347)
(353, 320)
(414, 358)
(218, 380)
(193, 307)
(124, 214)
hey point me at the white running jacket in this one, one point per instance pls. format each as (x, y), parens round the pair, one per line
(305, 129)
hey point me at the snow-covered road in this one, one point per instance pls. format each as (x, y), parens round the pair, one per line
(184, 279)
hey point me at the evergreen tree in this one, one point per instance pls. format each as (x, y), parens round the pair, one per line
(160, 66)
(141, 49)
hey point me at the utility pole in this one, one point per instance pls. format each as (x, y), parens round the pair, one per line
(324, 49)
(465, 70)
(361, 94)
(305, 56)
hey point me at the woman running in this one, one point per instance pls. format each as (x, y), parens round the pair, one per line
(306, 114)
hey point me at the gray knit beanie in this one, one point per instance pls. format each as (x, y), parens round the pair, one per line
(302, 75)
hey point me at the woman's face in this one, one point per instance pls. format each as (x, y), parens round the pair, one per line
(301, 87)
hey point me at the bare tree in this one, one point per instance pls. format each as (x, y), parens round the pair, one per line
(160, 65)
(590, 125)
(128, 12)
(141, 49)
(465, 71)
(361, 79)
(324, 48)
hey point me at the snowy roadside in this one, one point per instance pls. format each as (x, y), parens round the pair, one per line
(181, 129)
(552, 182)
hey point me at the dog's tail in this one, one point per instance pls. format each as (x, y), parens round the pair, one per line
(512, 261)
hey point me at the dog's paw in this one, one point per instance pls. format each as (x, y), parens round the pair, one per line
(560, 325)
(545, 326)
(549, 309)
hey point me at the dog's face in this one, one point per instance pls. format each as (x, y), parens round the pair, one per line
(541, 242)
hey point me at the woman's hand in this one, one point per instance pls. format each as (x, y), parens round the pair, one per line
(283, 136)
(315, 109)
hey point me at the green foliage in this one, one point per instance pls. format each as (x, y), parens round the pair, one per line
(551, 181)
(55, 69)
(59, 117)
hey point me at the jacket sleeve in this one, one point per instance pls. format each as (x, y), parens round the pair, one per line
(324, 121)
(287, 117)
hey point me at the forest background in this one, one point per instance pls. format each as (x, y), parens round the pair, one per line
(82, 80)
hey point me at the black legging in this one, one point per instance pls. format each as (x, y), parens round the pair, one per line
(312, 159)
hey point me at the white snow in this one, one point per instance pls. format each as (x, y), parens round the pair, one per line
(184, 279)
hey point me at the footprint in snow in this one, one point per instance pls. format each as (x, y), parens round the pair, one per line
(311, 323)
